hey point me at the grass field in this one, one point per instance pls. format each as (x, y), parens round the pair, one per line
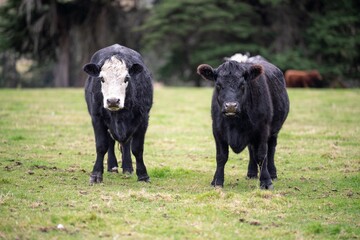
(47, 152)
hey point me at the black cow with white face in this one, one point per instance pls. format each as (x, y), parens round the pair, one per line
(249, 107)
(119, 97)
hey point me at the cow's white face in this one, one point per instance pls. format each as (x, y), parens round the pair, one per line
(114, 80)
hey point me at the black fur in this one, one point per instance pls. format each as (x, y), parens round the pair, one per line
(127, 126)
(249, 107)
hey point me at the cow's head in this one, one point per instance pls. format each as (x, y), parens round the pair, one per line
(231, 84)
(115, 77)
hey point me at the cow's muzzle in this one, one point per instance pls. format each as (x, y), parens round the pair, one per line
(230, 109)
(113, 104)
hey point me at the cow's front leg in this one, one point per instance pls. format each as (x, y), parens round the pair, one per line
(137, 147)
(112, 161)
(126, 164)
(102, 146)
(252, 167)
(262, 160)
(222, 154)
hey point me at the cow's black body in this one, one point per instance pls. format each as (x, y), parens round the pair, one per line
(249, 107)
(128, 125)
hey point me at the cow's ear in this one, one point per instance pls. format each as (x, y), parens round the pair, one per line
(135, 69)
(253, 72)
(92, 69)
(206, 72)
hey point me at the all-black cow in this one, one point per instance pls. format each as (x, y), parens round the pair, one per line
(249, 107)
(119, 96)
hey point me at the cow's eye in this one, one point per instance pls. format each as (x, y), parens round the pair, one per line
(242, 87)
(219, 86)
(102, 79)
(127, 78)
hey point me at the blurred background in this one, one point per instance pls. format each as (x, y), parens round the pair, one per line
(45, 43)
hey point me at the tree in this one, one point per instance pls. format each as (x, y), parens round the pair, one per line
(284, 24)
(190, 32)
(292, 34)
(320, 34)
(64, 33)
(334, 38)
(8, 69)
(61, 35)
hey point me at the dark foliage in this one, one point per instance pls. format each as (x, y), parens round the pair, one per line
(179, 35)
(63, 34)
(309, 34)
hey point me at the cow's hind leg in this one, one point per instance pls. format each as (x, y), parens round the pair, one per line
(126, 164)
(102, 146)
(137, 147)
(271, 153)
(252, 167)
(112, 161)
(262, 160)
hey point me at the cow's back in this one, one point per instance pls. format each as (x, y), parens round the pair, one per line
(277, 90)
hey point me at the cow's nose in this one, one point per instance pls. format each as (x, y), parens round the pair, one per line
(231, 107)
(113, 102)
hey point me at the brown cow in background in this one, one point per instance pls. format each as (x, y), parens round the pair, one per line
(302, 79)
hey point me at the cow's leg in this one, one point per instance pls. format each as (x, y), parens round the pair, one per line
(112, 161)
(271, 153)
(126, 158)
(252, 167)
(102, 145)
(262, 160)
(222, 154)
(137, 147)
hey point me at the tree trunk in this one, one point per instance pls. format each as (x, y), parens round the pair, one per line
(9, 77)
(61, 69)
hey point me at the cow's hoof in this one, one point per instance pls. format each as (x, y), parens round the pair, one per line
(252, 176)
(273, 177)
(95, 178)
(217, 183)
(267, 186)
(128, 171)
(113, 170)
(126, 174)
(144, 178)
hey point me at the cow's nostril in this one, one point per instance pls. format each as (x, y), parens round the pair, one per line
(113, 101)
(231, 105)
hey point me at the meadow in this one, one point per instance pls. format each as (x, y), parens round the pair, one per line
(47, 152)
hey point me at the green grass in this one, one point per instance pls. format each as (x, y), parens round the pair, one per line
(47, 152)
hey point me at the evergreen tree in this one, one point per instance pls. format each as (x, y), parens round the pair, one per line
(305, 35)
(190, 32)
(180, 35)
(334, 38)
(62, 35)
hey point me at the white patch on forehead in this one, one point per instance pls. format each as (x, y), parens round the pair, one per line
(113, 68)
(113, 87)
(241, 58)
